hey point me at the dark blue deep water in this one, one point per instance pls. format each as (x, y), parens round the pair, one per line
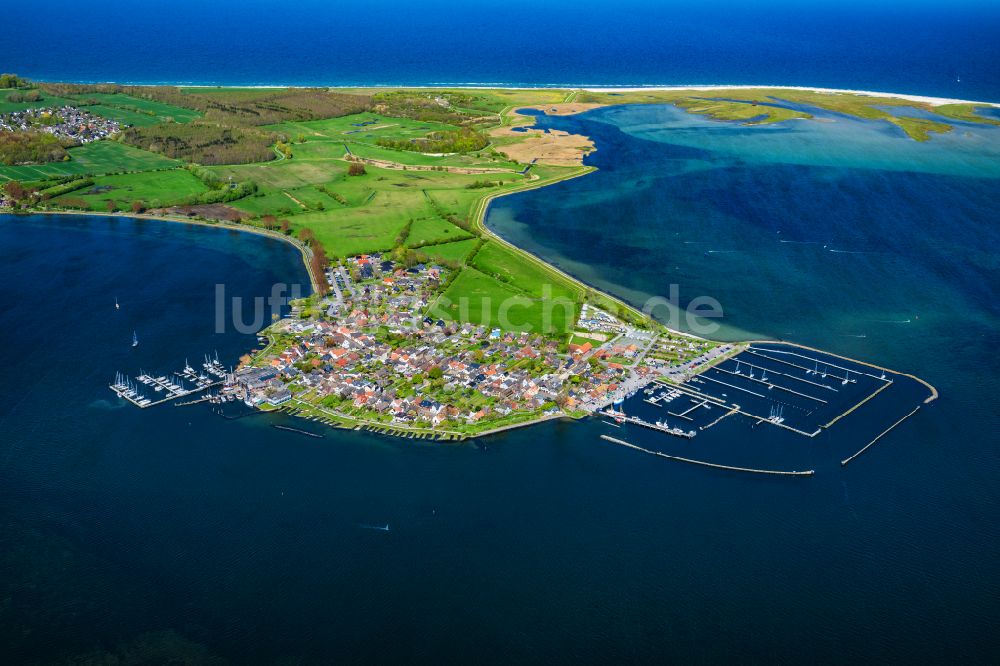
(909, 46)
(173, 533)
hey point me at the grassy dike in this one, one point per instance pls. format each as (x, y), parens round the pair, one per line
(603, 299)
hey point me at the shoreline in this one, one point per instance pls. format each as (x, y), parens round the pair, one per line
(481, 223)
(304, 252)
(479, 215)
(598, 88)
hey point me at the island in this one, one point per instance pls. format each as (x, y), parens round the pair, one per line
(421, 321)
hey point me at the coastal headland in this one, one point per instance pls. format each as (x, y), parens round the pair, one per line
(423, 322)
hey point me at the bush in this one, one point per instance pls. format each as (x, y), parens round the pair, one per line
(64, 188)
(356, 169)
(30, 148)
(29, 96)
(203, 142)
(461, 140)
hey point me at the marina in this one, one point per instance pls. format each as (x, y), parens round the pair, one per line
(146, 390)
(803, 392)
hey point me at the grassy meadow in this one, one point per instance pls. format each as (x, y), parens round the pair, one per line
(97, 158)
(153, 188)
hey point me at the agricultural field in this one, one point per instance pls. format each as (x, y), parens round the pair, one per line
(476, 297)
(509, 267)
(46, 100)
(456, 251)
(423, 193)
(97, 158)
(152, 111)
(365, 127)
(133, 111)
(357, 231)
(153, 188)
(433, 230)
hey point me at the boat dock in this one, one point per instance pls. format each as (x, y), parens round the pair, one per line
(696, 405)
(146, 390)
(662, 427)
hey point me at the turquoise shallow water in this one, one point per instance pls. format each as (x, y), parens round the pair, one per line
(172, 531)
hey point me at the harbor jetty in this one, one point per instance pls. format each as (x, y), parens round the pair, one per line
(843, 463)
(704, 463)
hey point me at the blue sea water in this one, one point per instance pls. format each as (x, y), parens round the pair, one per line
(913, 46)
(172, 532)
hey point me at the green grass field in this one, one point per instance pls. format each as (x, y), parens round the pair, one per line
(351, 128)
(154, 188)
(497, 260)
(457, 251)
(155, 112)
(123, 116)
(97, 158)
(420, 189)
(480, 299)
(434, 230)
(326, 139)
(357, 230)
(46, 100)
(407, 157)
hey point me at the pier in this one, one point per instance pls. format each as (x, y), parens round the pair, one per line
(696, 405)
(734, 410)
(172, 386)
(843, 463)
(933, 391)
(704, 463)
(769, 385)
(297, 431)
(676, 432)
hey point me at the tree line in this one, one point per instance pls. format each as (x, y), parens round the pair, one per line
(462, 140)
(31, 148)
(203, 142)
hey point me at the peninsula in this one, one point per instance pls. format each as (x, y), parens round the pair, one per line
(422, 322)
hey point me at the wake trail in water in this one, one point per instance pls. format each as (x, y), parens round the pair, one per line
(378, 528)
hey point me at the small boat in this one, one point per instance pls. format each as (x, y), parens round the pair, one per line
(117, 307)
(135, 339)
(380, 528)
